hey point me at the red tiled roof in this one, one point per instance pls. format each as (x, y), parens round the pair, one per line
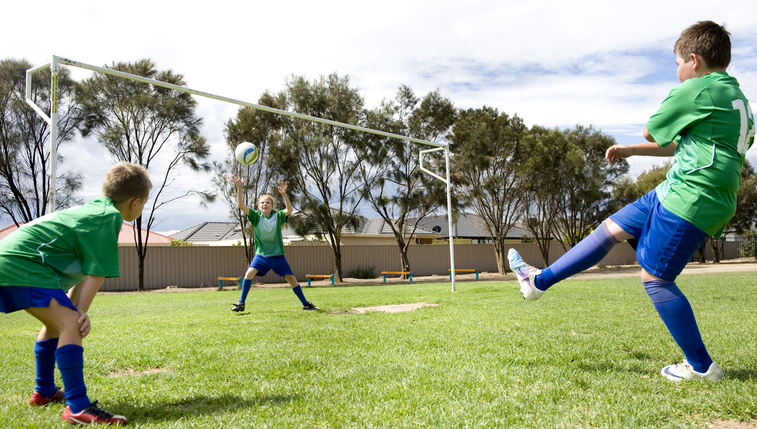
(126, 236)
(8, 229)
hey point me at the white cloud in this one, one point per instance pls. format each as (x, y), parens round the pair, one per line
(552, 63)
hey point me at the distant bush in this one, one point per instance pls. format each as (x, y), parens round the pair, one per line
(178, 243)
(363, 273)
(748, 247)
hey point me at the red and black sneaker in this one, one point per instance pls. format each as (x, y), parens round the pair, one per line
(39, 400)
(92, 414)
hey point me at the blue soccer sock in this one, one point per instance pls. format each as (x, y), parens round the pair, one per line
(676, 313)
(44, 355)
(246, 285)
(71, 365)
(584, 255)
(298, 291)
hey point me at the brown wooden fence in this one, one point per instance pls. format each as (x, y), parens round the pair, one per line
(200, 266)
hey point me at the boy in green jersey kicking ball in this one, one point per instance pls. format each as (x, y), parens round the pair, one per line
(707, 123)
(269, 244)
(71, 251)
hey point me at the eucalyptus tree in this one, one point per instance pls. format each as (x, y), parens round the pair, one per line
(25, 164)
(322, 162)
(547, 161)
(586, 195)
(263, 129)
(394, 185)
(149, 125)
(626, 190)
(745, 217)
(487, 146)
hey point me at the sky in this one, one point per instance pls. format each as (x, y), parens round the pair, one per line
(553, 63)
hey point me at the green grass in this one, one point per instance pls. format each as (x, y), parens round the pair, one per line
(588, 354)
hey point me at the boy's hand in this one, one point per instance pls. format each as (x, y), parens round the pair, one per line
(616, 152)
(237, 180)
(84, 324)
(283, 187)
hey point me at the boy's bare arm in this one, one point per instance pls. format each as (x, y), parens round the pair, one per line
(283, 191)
(82, 296)
(239, 182)
(642, 149)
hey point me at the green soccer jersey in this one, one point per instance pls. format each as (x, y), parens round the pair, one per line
(712, 123)
(58, 250)
(267, 232)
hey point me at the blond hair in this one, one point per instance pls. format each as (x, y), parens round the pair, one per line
(271, 197)
(124, 181)
(707, 39)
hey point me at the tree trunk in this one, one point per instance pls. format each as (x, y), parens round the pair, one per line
(141, 252)
(701, 252)
(404, 262)
(544, 244)
(499, 252)
(337, 263)
(715, 246)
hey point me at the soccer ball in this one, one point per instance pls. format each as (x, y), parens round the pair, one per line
(246, 153)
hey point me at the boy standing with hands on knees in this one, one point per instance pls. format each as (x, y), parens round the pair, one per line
(269, 244)
(53, 267)
(707, 123)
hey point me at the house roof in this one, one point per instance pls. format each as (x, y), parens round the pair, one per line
(126, 236)
(8, 229)
(377, 225)
(208, 231)
(220, 231)
(468, 225)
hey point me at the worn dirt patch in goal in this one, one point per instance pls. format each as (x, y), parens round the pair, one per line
(131, 373)
(732, 424)
(394, 308)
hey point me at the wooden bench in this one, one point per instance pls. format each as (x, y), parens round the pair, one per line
(468, 270)
(320, 276)
(230, 279)
(410, 273)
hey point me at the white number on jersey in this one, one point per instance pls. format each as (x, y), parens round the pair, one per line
(746, 135)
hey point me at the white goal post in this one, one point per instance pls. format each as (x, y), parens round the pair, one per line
(52, 121)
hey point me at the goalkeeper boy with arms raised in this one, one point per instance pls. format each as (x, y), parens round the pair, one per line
(707, 124)
(269, 244)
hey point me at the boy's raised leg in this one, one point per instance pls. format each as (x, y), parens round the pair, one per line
(584, 255)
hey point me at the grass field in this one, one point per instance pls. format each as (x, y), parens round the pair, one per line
(588, 354)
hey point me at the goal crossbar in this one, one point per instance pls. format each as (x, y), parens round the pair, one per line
(52, 121)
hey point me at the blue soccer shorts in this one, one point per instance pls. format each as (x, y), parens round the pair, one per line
(278, 264)
(663, 241)
(14, 298)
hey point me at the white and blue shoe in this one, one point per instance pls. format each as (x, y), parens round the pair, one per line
(684, 371)
(525, 274)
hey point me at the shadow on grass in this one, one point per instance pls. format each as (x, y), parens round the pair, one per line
(741, 374)
(196, 406)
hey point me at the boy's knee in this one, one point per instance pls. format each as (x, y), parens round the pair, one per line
(605, 237)
(618, 233)
(661, 290)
